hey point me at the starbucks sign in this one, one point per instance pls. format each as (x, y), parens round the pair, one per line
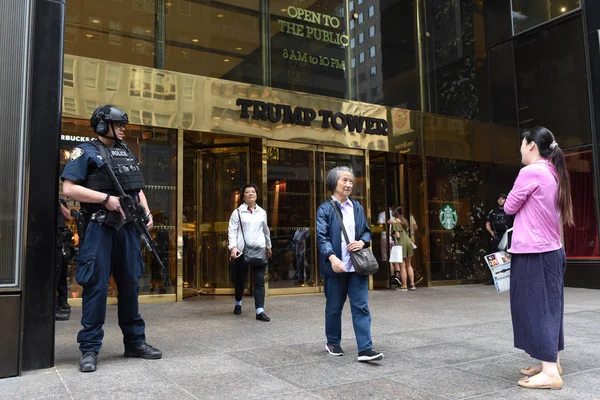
(448, 216)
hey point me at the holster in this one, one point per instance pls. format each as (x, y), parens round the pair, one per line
(112, 219)
(81, 221)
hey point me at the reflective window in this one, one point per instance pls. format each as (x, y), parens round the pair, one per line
(351, 6)
(360, 1)
(351, 24)
(361, 38)
(372, 51)
(353, 62)
(373, 71)
(361, 18)
(582, 239)
(529, 13)
(362, 57)
(371, 11)
(372, 31)
(352, 43)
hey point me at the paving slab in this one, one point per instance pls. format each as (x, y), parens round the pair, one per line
(450, 342)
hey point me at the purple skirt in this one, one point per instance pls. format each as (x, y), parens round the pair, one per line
(537, 303)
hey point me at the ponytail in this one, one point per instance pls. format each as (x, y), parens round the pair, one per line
(548, 148)
(564, 185)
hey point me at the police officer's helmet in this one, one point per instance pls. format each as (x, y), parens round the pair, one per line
(103, 115)
(502, 195)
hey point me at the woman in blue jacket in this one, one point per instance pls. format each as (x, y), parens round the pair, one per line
(335, 264)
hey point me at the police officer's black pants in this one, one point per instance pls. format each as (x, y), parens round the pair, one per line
(60, 278)
(107, 251)
(240, 275)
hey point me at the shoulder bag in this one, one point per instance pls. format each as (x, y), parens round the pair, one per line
(254, 255)
(363, 260)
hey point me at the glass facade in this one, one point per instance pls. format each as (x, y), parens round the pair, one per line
(528, 14)
(180, 68)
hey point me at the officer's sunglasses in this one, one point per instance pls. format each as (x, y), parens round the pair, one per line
(121, 125)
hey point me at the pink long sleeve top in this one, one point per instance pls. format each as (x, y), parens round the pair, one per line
(534, 202)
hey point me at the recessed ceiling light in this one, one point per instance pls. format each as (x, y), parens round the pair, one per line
(226, 60)
(283, 10)
(220, 15)
(184, 53)
(96, 21)
(148, 31)
(563, 9)
(168, 4)
(238, 48)
(138, 44)
(195, 40)
(89, 35)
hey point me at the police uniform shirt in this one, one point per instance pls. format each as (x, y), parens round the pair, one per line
(500, 220)
(84, 160)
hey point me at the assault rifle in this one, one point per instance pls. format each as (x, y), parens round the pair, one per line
(135, 213)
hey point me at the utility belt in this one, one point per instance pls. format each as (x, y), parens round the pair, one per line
(112, 219)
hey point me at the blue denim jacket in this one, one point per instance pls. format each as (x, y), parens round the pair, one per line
(329, 233)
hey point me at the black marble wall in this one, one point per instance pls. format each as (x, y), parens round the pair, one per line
(455, 82)
(45, 110)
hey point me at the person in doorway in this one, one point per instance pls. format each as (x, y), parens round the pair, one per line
(386, 243)
(340, 279)
(248, 225)
(541, 202)
(64, 253)
(498, 222)
(400, 229)
(302, 263)
(413, 228)
(104, 249)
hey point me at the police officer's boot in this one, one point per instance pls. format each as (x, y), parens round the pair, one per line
(143, 350)
(62, 312)
(88, 361)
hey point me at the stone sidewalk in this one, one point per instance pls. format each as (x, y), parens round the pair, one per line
(439, 343)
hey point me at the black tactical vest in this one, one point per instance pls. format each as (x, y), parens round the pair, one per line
(500, 220)
(125, 166)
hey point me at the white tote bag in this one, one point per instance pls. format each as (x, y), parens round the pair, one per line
(396, 254)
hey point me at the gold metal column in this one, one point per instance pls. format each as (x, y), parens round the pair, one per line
(179, 227)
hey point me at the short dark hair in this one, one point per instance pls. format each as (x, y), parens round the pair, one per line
(334, 175)
(246, 186)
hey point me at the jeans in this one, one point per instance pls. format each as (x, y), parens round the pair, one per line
(241, 273)
(302, 264)
(355, 287)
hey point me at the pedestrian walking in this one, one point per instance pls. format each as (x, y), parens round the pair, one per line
(340, 279)
(248, 229)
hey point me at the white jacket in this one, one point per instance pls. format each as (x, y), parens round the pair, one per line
(256, 230)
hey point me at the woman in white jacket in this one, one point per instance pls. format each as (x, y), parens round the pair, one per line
(256, 233)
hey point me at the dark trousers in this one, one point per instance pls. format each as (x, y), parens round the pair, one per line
(60, 276)
(240, 275)
(356, 288)
(107, 251)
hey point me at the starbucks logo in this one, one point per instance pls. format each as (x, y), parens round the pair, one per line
(448, 216)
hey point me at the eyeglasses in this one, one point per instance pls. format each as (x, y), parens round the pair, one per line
(121, 125)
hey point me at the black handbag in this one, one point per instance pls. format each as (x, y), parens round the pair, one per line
(255, 256)
(363, 260)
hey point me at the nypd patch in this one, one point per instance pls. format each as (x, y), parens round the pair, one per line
(77, 152)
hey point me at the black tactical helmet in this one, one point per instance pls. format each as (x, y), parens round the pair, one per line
(502, 195)
(104, 115)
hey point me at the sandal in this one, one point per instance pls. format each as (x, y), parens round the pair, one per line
(529, 383)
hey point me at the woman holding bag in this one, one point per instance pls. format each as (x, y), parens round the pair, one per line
(340, 278)
(541, 201)
(248, 230)
(400, 230)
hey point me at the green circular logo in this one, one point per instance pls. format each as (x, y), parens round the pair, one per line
(448, 216)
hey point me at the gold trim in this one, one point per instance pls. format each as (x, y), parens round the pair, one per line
(179, 290)
(142, 299)
(295, 291)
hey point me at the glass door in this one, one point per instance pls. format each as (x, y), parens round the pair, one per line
(290, 188)
(215, 168)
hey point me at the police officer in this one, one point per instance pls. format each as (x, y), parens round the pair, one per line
(105, 248)
(498, 222)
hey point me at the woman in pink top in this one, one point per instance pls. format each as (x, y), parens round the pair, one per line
(541, 201)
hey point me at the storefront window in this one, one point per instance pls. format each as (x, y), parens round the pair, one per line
(156, 151)
(582, 239)
(529, 13)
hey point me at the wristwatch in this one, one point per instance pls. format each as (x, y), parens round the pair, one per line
(105, 200)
